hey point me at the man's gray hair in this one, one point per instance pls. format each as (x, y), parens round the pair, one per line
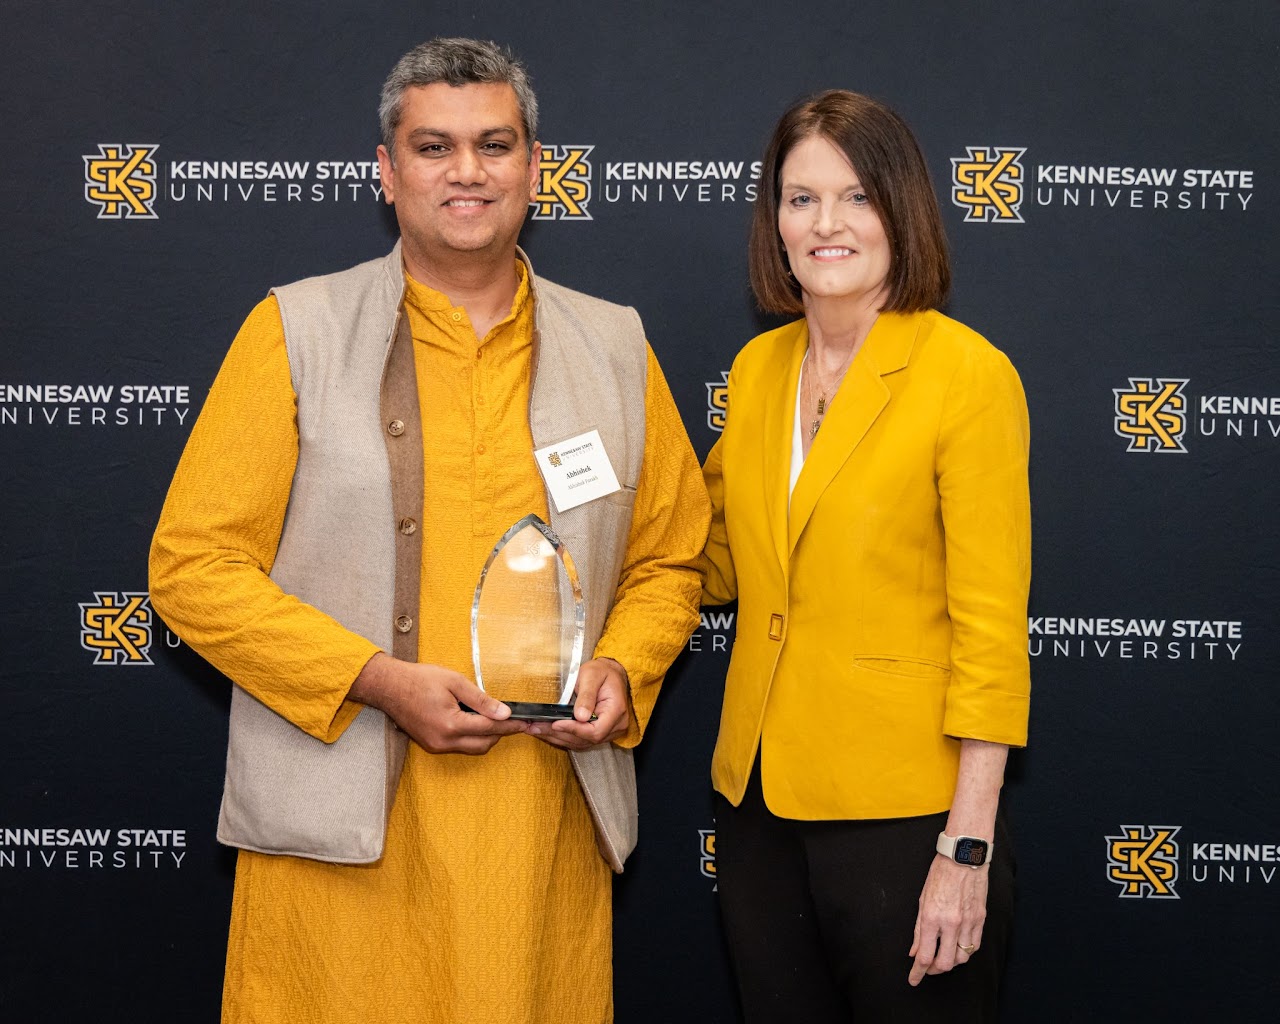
(456, 62)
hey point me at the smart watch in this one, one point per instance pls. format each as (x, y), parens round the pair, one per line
(964, 849)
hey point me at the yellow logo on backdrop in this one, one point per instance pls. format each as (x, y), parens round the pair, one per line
(564, 183)
(121, 181)
(1151, 414)
(708, 864)
(1143, 861)
(117, 628)
(718, 401)
(988, 184)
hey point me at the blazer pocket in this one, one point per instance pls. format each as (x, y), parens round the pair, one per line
(910, 668)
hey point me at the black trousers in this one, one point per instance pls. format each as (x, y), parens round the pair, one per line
(819, 916)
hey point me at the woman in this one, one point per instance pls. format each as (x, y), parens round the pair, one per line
(872, 520)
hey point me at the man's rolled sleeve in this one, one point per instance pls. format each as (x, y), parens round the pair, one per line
(217, 539)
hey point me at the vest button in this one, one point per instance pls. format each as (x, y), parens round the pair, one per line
(395, 428)
(408, 526)
(776, 622)
(404, 624)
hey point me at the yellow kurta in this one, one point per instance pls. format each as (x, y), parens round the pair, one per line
(491, 902)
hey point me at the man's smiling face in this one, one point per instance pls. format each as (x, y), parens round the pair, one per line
(463, 174)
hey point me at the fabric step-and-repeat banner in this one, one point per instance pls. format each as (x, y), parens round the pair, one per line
(1108, 175)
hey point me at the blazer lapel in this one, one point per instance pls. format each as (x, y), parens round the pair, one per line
(859, 402)
(779, 422)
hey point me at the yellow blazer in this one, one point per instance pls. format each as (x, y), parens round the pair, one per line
(882, 610)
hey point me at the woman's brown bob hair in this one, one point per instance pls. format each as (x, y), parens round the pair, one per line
(884, 154)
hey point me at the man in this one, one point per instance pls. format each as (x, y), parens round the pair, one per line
(323, 556)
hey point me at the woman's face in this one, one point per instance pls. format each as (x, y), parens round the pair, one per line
(834, 239)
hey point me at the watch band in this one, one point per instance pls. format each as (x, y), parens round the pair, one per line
(967, 850)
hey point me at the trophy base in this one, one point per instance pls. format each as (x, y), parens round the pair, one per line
(528, 711)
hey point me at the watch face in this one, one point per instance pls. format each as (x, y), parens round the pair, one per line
(971, 851)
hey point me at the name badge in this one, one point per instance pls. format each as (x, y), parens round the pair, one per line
(577, 470)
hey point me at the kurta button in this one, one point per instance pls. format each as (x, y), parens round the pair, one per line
(404, 624)
(775, 626)
(408, 526)
(395, 428)
(479, 449)
(456, 316)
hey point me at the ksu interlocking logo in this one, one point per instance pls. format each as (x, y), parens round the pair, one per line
(1152, 414)
(116, 627)
(987, 184)
(564, 183)
(718, 401)
(708, 863)
(554, 459)
(121, 181)
(1143, 861)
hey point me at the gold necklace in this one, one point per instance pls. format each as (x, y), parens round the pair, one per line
(815, 374)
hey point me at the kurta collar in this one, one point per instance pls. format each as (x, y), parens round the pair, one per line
(436, 304)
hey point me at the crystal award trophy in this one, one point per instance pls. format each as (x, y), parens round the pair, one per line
(527, 623)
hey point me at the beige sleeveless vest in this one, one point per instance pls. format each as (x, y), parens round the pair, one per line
(351, 544)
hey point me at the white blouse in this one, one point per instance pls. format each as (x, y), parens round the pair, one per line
(797, 439)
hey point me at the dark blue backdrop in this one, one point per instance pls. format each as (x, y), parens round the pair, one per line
(1108, 176)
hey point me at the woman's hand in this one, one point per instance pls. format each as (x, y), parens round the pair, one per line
(953, 907)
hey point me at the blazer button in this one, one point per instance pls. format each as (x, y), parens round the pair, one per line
(404, 624)
(775, 626)
(408, 526)
(395, 428)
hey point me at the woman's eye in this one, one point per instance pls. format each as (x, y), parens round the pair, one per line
(860, 199)
(801, 200)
